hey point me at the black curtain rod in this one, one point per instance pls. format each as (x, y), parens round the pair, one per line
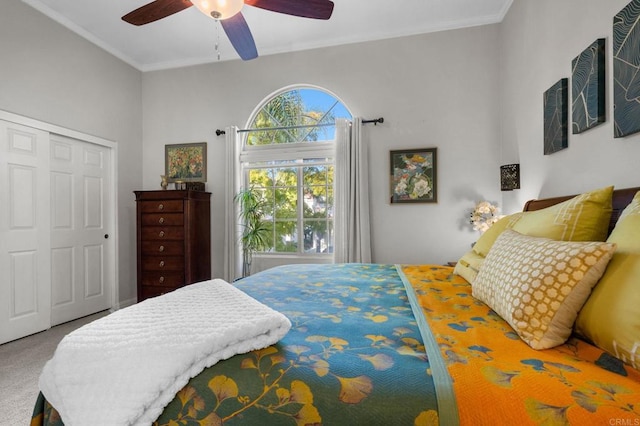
(374, 121)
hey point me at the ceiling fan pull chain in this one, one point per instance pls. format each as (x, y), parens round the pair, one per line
(218, 39)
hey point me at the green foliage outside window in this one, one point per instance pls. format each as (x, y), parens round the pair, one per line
(289, 114)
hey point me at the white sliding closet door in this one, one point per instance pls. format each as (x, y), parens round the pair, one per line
(57, 226)
(81, 241)
(25, 267)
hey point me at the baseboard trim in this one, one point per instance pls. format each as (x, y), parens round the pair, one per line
(124, 304)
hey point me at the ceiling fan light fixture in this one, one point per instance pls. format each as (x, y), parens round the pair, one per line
(219, 9)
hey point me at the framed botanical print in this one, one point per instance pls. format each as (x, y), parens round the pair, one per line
(413, 175)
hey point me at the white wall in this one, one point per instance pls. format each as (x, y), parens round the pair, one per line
(52, 75)
(437, 90)
(538, 42)
(476, 94)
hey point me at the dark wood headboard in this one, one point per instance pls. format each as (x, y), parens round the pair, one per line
(621, 199)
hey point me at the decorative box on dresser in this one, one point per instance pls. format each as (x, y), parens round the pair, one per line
(174, 240)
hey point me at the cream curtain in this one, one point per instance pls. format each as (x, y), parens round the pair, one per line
(232, 259)
(352, 229)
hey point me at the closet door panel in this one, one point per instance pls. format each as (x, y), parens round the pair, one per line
(80, 175)
(93, 276)
(25, 265)
(24, 284)
(62, 277)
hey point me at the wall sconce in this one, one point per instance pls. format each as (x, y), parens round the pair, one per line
(509, 177)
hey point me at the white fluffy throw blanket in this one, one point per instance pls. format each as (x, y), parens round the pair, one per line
(123, 369)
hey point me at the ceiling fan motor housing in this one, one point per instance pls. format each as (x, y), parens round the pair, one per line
(219, 9)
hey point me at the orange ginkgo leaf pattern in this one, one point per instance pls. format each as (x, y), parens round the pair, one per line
(571, 384)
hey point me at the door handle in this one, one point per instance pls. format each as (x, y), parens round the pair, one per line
(106, 236)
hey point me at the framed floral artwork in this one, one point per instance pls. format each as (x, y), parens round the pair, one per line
(414, 175)
(186, 162)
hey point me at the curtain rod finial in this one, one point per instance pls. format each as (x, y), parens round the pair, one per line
(375, 122)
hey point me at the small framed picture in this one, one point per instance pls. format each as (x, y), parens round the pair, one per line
(414, 175)
(186, 162)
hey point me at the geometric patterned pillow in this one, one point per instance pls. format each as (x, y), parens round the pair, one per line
(611, 316)
(538, 285)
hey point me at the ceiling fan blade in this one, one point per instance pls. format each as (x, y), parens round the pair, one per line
(240, 36)
(316, 9)
(155, 10)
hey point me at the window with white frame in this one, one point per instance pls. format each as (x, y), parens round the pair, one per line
(288, 158)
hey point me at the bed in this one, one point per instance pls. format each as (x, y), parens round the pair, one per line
(410, 344)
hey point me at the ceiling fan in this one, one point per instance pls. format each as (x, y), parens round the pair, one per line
(228, 12)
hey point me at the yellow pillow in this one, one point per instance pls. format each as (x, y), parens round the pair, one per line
(468, 266)
(486, 240)
(583, 218)
(538, 285)
(611, 316)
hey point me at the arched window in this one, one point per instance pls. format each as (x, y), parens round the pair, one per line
(296, 115)
(288, 157)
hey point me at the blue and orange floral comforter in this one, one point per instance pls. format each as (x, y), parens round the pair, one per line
(355, 356)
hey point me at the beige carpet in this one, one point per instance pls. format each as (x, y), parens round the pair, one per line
(20, 364)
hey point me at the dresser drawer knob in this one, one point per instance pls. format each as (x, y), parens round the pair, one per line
(161, 280)
(161, 206)
(161, 249)
(161, 234)
(162, 263)
(161, 220)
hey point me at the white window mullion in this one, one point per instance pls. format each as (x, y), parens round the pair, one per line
(300, 209)
(287, 152)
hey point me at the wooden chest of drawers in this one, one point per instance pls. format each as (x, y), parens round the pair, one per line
(174, 240)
